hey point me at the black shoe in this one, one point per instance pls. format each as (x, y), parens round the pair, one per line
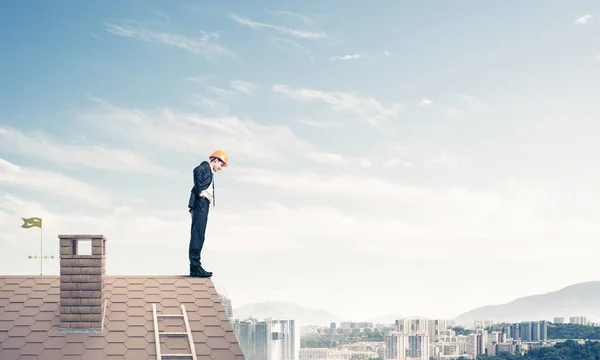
(199, 272)
(202, 270)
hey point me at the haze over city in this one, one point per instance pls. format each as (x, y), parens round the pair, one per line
(395, 159)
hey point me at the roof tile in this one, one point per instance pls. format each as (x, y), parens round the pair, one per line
(216, 343)
(202, 349)
(74, 348)
(55, 343)
(136, 331)
(136, 354)
(32, 349)
(93, 354)
(3, 337)
(136, 294)
(116, 337)
(30, 316)
(28, 311)
(13, 343)
(136, 343)
(10, 354)
(19, 330)
(52, 354)
(214, 331)
(14, 306)
(222, 355)
(8, 316)
(115, 349)
(24, 320)
(36, 337)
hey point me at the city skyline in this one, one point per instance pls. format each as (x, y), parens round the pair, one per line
(403, 159)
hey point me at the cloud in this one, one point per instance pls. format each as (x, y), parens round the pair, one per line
(53, 183)
(219, 91)
(204, 45)
(243, 87)
(38, 146)
(210, 105)
(347, 57)
(249, 231)
(472, 103)
(368, 108)
(425, 103)
(412, 219)
(364, 162)
(445, 159)
(387, 53)
(192, 133)
(303, 34)
(319, 124)
(199, 79)
(304, 18)
(328, 158)
(583, 20)
(288, 45)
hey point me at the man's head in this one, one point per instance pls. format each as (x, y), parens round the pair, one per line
(218, 160)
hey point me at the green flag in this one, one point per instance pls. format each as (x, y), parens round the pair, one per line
(31, 222)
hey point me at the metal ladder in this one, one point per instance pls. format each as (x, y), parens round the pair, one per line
(187, 333)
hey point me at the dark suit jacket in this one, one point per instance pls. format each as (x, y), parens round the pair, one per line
(202, 179)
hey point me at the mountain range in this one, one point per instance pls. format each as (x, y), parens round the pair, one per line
(581, 299)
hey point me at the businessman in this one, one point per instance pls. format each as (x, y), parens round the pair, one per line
(202, 195)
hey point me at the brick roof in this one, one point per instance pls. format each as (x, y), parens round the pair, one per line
(30, 315)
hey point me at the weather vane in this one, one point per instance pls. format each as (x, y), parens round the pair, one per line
(36, 222)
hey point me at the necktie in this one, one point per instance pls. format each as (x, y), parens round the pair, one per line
(213, 188)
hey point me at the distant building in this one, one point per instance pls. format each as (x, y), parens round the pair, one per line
(399, 345)
(559, 320)
(578, 320)
(226, 302)
(269, 339)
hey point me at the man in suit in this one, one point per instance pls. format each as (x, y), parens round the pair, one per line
(202, 195)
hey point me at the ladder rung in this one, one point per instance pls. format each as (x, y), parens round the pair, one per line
(187, 333)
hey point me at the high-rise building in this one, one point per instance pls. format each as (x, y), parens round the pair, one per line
(226, 303)
(435, 328)
(535, 331)
(559, 320)
(516, 331)
(419, 325)
(403, 325)
(482, 337)
(395, 345)
(285, 340)
(269, 339)
(471, 345)
(579, 320)
(543, 330)
(525, 331)
(418, 347)
(399, 345)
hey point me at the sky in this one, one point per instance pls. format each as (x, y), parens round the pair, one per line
(412, 158)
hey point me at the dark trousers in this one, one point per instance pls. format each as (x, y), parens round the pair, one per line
(199, 219)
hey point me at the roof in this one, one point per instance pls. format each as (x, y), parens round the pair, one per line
(30, 319)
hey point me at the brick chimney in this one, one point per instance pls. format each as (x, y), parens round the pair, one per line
(82, 299)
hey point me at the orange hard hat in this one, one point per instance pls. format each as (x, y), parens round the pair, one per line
(221, 155)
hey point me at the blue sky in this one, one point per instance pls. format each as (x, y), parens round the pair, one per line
(372, 148)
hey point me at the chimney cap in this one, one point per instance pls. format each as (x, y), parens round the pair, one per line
(81, 236)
